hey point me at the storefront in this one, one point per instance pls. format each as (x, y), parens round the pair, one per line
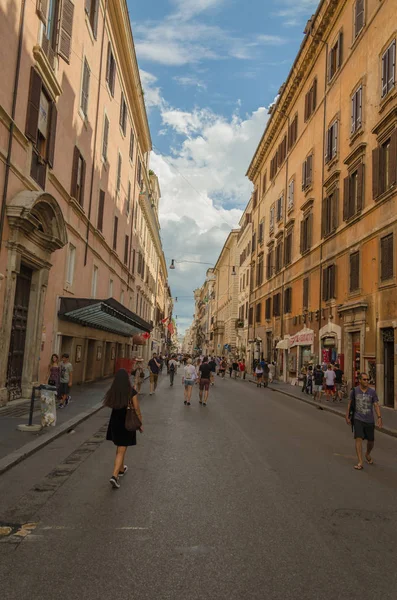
(301, 346)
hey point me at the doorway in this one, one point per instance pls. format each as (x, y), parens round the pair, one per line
(90, 365)
(388, 349)
(16, 351)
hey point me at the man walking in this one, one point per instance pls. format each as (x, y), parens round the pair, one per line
(204, 381)
(65, 381)
(154, 368)
(329, 378)
(360, 414)
(338, 382)
(172, 369)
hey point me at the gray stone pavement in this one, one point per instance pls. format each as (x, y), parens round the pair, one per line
(251, 497)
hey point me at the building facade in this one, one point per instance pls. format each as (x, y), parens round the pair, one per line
(244, 240)
(81, 263)
(325, 180)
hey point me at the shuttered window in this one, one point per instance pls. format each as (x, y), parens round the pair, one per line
(276, 305)
(268, 309)
(133, 261)
(329, 222)
(66, 30)
(288, 248)
(260, 233)
(42, 9)
(329, 287)
(389, 69)
(279, 257)
(105, 140)
(264, 183)
(255, 199)
(118, 181)
(259, 271)
(92, 9)
(293, 132)
(354, 271)
(258, 312)
(126, 247)
(384, 166)
(139, 172)
(291, 194)
(357, 110)
(269, 264)
(353, 193)
(274, 166)
(287, 300)
(123, 114)
(101, 207)
(358, 17)
(128, 200)
(307, 173)
(386, 258)
(331, 149)
(110, 70)
(132, 141)
(282, 151)
(311, 100)
(115, 230)
(279, 208)
(78, 177)
(306, 233)
(85, 88)
(335, 57)
(305, 300)
(251, 316)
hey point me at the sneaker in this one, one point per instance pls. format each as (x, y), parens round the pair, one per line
(124, 471)
(61, 406)
(114, 482)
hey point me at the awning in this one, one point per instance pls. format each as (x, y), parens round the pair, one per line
(107, 315)
(283, 345)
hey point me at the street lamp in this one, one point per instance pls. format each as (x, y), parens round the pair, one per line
(198, 262)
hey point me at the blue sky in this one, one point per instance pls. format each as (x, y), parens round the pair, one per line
(210, 69)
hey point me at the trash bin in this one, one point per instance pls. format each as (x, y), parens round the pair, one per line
(48, 405)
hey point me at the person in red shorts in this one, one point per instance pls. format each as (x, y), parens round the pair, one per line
(204, 381)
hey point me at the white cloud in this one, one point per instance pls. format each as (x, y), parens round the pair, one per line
(152, 92)
(186, 9)
(296, 11)
(189, 81)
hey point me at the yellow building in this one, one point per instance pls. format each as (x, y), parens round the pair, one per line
(325, 202)
(244, 240)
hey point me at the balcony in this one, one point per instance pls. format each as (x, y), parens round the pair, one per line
(219, 325)
(239, 324)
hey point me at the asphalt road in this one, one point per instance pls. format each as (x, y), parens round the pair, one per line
(253, 497)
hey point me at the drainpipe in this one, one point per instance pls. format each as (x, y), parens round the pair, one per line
(12, 124)
(95, 135)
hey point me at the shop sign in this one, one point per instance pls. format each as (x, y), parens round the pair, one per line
(303, 338)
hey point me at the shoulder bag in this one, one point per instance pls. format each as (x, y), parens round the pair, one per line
(352, 407)
(132, 421)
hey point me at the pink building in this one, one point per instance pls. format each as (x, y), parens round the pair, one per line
(80, 250)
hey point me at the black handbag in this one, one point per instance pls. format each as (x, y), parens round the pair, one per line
(352, 409)
(132, 421)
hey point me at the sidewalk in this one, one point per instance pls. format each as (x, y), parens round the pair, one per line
(16, 445)
(389, 415)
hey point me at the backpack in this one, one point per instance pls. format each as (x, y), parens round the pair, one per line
(172, 367)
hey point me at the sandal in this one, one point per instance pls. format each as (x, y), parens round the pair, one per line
(358, 467)
(369, 460)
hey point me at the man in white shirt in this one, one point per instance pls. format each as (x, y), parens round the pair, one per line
(329, 378)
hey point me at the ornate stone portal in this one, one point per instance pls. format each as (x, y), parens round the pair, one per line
(37, 229)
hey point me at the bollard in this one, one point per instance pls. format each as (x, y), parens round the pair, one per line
(30, 427)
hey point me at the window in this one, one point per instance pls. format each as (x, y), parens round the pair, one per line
(291, 194)
(306, 233)
(255, 199)
(139, 172)
(271, 219)
(71, 264)
(305, 300)
(132, 140)
(389, 69)
(260, 232)
(287, 300)
(133, 261)
(276, 305)
(358, 17)
(57, 18)
(115, 228)
(264, 183)
(269, 264)
(123, 114)
(110, 288)
(288, 248)
(293, 132)
(105, 140)
(279, 257)
(384, 166)
(85, 89)
(258, 312)
(357, 110)
(273, 166)
(92, 9)
(335, 57)
(311, 101)
(353, 194)
(282, 151)
(251, 316)
(126, 247)
(254, 241)
(330, 207)
(128, 201)
(119, 165)
(331, 149)
(386, 258)
(329, 283)
(94, 282)
(279, 208)
(110, 70)
(268, 309)
(101, 206)
(78, 177)
(259, 271)
(354, 271)
(307, 173)
(41, 123)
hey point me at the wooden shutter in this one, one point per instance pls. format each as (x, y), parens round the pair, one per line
(339, 58)
(314, 91)
(387, 258)
(393, 159)
(307, 106)
(101, 207)
(354, 271)
(82, 182)
(324, 218)
(94, 22)
(346, 198)
(360, 187)
(52, 135)
(376, 172)
(133, 261)
(42, 8)
(108, 63)
(310, 230)
(335, 210)
(309, 170)
(66, 29)
(302, 237)
(105, 138)
(332, 281)
(32, 117)
(75, 170)
(306, 292)
(126, 244)
(325, 284)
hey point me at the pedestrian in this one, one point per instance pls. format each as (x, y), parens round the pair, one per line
(204, 381)
(266, 371)
(230, 367)
(118, 397)
(309, 382)
(339, 381)
(222, 368)
(54, 372)
(139, 376)
(154, 368)
(304, 377)
(318, 382)
(212, 365)
(242, 369)
(172, 369)
(329, 379)
(258, 375)
(272, 372)
(189, 379)
(235, 368)
(65, 380)
(360, 415)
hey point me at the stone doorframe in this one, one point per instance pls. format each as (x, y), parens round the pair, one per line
(330, 330)
(37, 229)
(380, 366)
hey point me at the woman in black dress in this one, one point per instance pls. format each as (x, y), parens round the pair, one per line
(117, 398)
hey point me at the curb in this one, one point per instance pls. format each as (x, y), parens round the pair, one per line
(30, 448)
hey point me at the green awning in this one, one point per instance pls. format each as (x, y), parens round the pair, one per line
(107, 315)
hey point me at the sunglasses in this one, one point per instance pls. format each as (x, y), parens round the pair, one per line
(365, 379)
